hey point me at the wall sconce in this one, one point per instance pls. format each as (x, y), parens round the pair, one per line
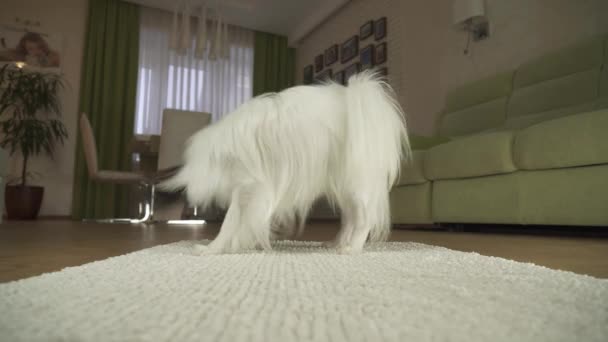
(470, 16)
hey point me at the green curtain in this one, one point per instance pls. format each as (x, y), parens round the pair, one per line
(107, 95)
(273, 63)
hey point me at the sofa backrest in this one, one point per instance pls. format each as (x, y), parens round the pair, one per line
(477, 106)
(604, 75)
(557, 84)
(569, 81)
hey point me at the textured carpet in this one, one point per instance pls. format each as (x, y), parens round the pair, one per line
(303, 292)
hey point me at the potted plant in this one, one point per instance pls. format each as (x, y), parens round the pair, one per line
(29, 123)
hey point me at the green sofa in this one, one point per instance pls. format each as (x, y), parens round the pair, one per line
(528, 146)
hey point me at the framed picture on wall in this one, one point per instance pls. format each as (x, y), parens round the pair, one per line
(366, 57)
(350, 49)
(380, 28)
(331, 55)
(351, 70)
(325, 75)
(366, 30)
(319, 63)
(308, 75)
(35, 50)
(380, 53)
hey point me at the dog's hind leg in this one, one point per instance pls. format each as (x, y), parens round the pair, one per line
(284, 226)
(346, 229)
(361, 213)
(247, 222)
(350, 225)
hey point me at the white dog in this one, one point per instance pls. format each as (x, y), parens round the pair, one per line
(269, 160)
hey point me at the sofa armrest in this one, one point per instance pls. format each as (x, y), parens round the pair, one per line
(419, 142)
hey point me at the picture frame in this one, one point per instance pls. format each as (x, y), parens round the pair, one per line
(45, 52)
(380, 53)
(380, 28)
(349, 49)
(307, 76)
(366, 57)
(366, 30)
(339, 77)
(319, 63)
(351, 70)
(325, 75)
(331, 55)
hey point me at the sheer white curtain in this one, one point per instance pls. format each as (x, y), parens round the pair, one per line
(181, 81)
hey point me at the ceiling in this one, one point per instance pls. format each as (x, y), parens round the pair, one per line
(291, 18)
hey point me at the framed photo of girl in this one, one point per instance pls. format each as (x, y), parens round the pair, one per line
(32, 49)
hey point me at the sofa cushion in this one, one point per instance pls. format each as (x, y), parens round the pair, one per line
(569, 196)
(524, 121)
(571, 141)
(474, 119)
(476, 106)
(573, 59)
(561, 92)
(480, 91)
(411, 204)
(477, 155)
(492, 199)
(604, 76)
(569, 77)
(412, 171)
(602, 102)
(419, 142)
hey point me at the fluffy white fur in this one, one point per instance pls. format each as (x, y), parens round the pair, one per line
(269, 160)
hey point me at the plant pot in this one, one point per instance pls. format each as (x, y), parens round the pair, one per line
(23, 202)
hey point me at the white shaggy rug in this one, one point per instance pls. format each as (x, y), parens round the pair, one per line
(303, 292)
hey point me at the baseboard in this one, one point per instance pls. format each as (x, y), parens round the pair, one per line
(422, 226)
(543, 230)
(55, 217)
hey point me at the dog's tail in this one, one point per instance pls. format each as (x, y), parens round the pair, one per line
(195, 177)
(175, 183)
(376, 142)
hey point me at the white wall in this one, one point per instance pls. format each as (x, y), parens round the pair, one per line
(67, 18)
(426, 53)
(405, 21)
(520, 30)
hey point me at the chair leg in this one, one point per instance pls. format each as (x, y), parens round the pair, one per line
(148, 211)
(152, 199)
(187, 221)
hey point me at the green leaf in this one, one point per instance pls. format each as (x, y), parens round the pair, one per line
(30, 108)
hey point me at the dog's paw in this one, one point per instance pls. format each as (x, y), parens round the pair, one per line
(199, 249)
(205, 250)
(330, 244)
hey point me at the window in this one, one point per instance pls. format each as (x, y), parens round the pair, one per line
(168, 79)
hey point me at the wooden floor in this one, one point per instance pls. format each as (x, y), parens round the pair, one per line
(32, 248)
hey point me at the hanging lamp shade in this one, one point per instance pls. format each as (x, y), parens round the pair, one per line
(225, 45)
(210, 34)
(174, 37)
(201, 36)
(185, 41)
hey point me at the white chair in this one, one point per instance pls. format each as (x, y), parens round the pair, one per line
(119, 177)
(178, 127)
